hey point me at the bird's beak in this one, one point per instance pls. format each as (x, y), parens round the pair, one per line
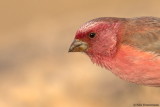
(78, 46)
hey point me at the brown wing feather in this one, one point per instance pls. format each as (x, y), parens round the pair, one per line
(143, 33)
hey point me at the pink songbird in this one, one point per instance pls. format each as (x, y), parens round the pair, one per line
(128, 47)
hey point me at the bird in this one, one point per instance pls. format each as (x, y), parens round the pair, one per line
(128, 47)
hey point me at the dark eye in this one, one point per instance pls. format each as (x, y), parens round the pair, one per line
(92, 35)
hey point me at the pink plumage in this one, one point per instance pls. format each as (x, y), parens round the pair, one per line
(129, 47)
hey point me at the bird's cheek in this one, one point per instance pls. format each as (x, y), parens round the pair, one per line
(91, 49)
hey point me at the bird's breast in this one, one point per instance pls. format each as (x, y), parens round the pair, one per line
(133, 65)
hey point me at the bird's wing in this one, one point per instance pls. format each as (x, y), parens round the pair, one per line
(143, 33)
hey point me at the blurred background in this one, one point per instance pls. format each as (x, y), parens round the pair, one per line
(36, 69)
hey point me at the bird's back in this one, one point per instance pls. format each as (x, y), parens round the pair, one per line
(143, 33)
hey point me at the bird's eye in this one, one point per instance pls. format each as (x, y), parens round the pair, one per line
(92, 35)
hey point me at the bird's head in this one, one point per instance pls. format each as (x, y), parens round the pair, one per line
(97, 37)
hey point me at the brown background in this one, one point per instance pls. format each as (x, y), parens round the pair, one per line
(36, 69)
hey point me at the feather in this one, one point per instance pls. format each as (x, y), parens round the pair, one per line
(143, 33)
